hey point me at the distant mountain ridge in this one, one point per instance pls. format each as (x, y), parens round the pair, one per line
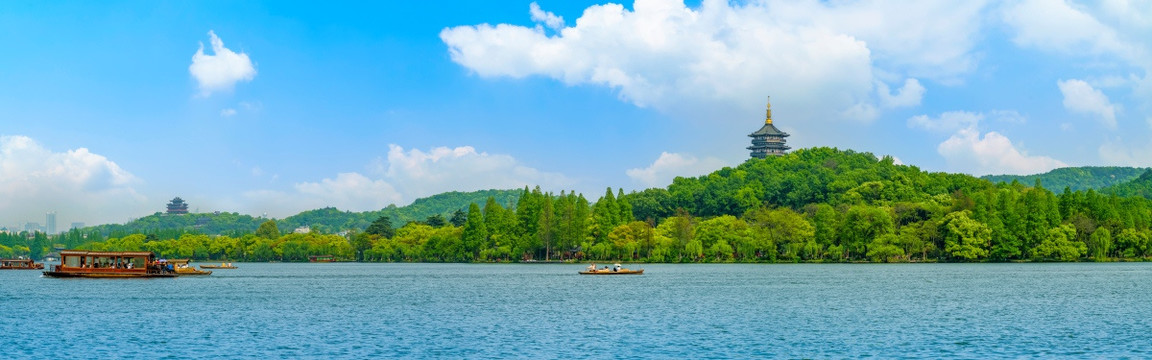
(326, 220)
(1141, 186)
(1075, 178)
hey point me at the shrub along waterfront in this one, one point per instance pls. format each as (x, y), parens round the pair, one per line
(818, 205)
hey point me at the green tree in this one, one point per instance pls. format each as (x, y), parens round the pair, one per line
(1101, 244)
(475, 234)
(268, 230)
(1060, 244)
(965, 239)
(381, 227)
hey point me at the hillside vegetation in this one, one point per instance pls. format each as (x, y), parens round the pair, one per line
(1075, 178)
(1141, 186)
(812, 205)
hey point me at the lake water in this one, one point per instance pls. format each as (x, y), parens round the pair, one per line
(351, 310)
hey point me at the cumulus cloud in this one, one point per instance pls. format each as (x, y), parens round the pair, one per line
(1115, 152)
(418, 173)
(907, 96)
(222, 70)
(671, 165)
(1081, 97)
(407, 175)
(546, 17)
(947, 122)
(808, 55)
(347, 191)
(991, 153)
(1059, 26)
(74, 183)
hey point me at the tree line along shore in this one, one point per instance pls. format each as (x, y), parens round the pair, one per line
(812, 205)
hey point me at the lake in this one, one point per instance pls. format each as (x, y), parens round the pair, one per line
(353, 310)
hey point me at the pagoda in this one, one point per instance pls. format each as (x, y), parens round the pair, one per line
(768, 140)
(177, 206)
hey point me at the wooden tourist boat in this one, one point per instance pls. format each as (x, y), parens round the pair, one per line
(109, 264)
(321, 258)
(614, 270)
(20, 264)
(221, 266)
(182, 267)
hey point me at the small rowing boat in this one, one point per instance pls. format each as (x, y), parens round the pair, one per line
(614, 270)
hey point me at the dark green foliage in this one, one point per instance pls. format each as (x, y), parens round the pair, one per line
(436, 220)
(1141, 186)
(818, 204)
(381, 227)
(1075, 178)
(268, 230)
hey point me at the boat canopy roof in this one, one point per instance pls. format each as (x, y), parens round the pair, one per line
(106, 253)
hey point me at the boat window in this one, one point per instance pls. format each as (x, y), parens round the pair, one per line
(137, 262)
(72, 261)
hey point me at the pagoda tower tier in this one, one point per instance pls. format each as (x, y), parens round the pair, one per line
(768, 140)
(177, 206)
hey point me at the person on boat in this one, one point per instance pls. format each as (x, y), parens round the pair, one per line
(592, 267)
(616, 268)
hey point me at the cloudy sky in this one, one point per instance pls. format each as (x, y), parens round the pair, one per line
(110, 109)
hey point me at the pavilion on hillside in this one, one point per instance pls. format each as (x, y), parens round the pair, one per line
(177, 206)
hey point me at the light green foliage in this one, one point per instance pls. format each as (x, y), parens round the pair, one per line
(1101, 244)
(965, 239)
(1060, 245)
(885, 248)
(727, 228)
(783, 232)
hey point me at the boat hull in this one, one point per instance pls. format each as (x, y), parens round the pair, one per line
(66, 274)
(610, 272)
(191, 271)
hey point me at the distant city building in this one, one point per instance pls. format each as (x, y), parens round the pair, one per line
(76, 225)
(33, 227)
(768, 140)
(177, 206)
(50, 222)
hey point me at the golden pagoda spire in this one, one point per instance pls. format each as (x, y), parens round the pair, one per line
(768, 117)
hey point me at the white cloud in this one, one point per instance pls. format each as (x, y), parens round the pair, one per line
(227, 112)
(671, 165)
(1058, 26)
(221, 71)
(1116, 153)
(546, 17)
(417, 173)
(815, 57)
(907, 96)
(1083, 98)
(77, 184)
(947, 122)
(406, 176)
(993, 153)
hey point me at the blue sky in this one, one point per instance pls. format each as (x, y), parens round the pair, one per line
(109, 109)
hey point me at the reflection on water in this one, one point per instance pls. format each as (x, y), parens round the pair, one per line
(355, 310)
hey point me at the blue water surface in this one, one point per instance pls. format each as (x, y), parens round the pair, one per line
(354, 310)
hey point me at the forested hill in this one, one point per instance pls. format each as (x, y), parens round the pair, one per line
(326, 220)
(1075, 178)
(331, 220)
(817, 204)
(1141, 186)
